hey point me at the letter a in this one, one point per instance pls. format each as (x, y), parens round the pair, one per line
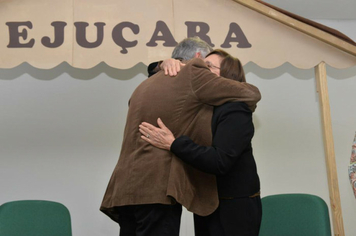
(240, 37)
(166, 36)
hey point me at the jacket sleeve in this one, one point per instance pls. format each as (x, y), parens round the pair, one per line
(215, 90)
(233, 135)
(153, 68)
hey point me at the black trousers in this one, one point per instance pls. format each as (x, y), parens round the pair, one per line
(233, 217)
(150, 220)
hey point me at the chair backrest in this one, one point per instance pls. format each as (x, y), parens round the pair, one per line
(34, 218)
(294, 215)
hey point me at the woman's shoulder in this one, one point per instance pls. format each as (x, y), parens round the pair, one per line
(232, 106)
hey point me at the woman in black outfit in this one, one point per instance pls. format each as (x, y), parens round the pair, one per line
(230, 158)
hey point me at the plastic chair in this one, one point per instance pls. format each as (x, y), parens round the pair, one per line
(294, 215)
(34, 218)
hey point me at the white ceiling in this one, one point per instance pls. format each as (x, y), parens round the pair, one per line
(319, 9)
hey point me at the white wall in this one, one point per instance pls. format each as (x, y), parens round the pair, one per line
(61, 133)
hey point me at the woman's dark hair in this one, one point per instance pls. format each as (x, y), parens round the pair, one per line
(230, 66)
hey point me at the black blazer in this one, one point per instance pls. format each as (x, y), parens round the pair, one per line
(230, 157)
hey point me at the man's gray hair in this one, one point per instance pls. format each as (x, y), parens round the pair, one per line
(187, 48)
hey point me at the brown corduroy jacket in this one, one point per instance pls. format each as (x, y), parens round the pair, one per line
(145, 174)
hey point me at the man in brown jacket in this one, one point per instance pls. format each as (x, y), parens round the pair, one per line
(149, 185)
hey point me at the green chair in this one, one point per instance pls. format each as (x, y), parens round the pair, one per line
(34, 218)
(294, 215)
